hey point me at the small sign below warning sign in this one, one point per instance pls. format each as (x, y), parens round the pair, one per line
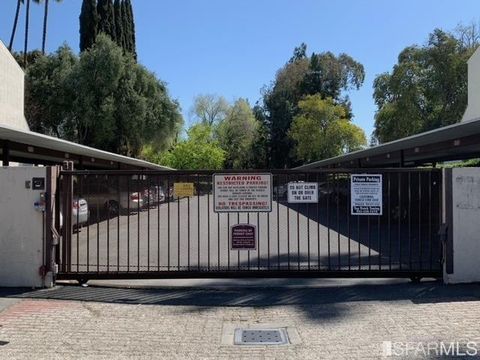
(302, 192)
(366, 194)
(243, 237)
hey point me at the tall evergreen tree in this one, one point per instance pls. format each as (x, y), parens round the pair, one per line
(120, 36)
(88, 24)
(133, 42)
(106, 18)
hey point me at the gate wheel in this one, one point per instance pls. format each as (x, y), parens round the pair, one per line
(82, 281)
(415, 279)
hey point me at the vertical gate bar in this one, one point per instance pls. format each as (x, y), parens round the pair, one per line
(159, 188)
(63, 225)
(328, 221)
(369, 243)
(188, 232)
(198, 221)
(410, 220)
(288, 228)
(138, 222)
(268, 240)
(98, 227)
(78, 195)
(119, 209)
(218, 238)
(228, 243)
(88, 224)
(108, 226)
(379, 239)
(389, 208)
(248, 251)
(170, 198)
(308, 229)
(178, 228)
(440, 213)
(128, 223)
(208, 223)
(338, 219)
(258, 234)
(149, 190)
(278, 221)
(238, 252)
(349, 229)
(298, 230)
(400, 220)
(420, 253)
(318, 222)
(430, 217)
(359, 246)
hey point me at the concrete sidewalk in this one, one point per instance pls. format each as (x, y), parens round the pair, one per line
(328, 321)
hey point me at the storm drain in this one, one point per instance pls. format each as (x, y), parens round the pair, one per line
(260, 337)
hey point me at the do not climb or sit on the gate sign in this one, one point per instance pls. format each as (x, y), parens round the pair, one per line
(302, 192)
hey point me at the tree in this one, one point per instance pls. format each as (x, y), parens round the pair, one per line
(119, 32)
(106, 18)
(102, 99)
(427, 88)
(27, 25)
(88, 24)
(131, 30)
(15, 23)
(210, 109)
(324, 74)
(237, 134)
(322, 130)
(199, 151)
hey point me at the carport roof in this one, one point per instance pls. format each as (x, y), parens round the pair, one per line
(34, 148)
(459, 141)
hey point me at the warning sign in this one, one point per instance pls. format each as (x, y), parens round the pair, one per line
(183, 189)
(366, 194)
(302, 192)
(242, 192)
(243, 237)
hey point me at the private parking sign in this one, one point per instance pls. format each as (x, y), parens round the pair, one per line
(366, 194)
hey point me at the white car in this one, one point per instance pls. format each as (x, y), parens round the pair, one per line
(80, 213)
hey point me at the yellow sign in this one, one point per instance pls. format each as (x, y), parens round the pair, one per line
(183, 189)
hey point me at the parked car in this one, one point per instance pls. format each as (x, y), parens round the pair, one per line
(113, 201)
(80, 213)
(153, 195)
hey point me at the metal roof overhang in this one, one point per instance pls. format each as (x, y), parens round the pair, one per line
(33, 148)
(459, 141)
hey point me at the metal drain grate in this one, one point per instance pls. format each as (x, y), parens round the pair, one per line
(260, 337)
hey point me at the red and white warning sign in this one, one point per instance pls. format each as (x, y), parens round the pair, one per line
(242, 192)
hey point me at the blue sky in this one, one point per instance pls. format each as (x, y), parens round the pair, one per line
(233, 48)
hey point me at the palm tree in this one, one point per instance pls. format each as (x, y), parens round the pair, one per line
(45, 21)
(15, 22)
(27, 20)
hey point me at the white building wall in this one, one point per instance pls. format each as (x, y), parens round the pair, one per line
(21, 228)
(465, 224)
(11, 91)
(473, 108)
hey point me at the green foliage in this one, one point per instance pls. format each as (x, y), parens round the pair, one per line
(106, 18)
(322, 130)
(88, 24)
(427, 89)
(237, 135)
(324, 74)
(199, 151)
(102, 99)
(119, 32)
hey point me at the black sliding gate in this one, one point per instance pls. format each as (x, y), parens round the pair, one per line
(131, 224)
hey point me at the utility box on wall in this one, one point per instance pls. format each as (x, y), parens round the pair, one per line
(22, 227)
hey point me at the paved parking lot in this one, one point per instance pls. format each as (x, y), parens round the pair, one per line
(327, 319)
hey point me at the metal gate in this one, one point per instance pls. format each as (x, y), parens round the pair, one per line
(132, 224)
